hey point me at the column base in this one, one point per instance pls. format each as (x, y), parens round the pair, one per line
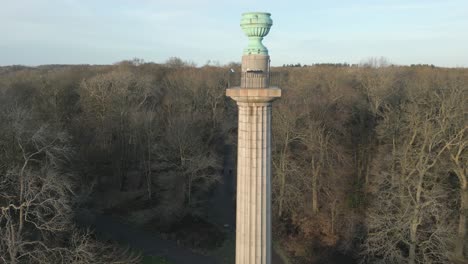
(258, 95)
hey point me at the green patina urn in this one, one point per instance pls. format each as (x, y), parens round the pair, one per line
(256, 25)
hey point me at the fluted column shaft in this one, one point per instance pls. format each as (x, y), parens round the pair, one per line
(253, 223)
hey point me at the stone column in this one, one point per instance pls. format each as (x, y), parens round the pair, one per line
(254, 195)
(253, 219)
(254, 97)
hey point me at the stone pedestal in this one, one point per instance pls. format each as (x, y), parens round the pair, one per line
(259, 63)
(253, 218)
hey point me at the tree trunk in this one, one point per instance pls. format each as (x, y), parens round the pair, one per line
(315, 174)
(367, 171)
(281, 194)
(283, 175)
(21, 198)
(12, 250)
(189, 194)
(413, 240)
(416, 220)
(333, 216)
(314, 194)
(148, 169)
(460, 242)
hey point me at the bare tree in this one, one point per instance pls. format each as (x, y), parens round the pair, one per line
(185, 147)
(36, 193)
(452, 116)
(285, 168)
(409, 220)
(109, 101)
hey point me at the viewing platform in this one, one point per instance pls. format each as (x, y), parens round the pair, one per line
(254, 80)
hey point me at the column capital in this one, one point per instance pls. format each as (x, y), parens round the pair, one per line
(260, 95)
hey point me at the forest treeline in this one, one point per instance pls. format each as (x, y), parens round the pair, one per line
(369, 163)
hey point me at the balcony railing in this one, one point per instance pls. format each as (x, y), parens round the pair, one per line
(254, 79)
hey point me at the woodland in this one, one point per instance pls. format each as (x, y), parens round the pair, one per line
(369, 161)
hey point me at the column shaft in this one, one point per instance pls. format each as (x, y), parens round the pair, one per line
(253, 225)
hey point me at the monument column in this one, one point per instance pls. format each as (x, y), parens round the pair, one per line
(254, 98)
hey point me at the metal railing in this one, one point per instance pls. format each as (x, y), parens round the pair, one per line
(254, 79)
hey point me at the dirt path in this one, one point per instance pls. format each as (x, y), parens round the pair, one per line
(108, 227)
(111, 228)
(223, 213)
(222, 207)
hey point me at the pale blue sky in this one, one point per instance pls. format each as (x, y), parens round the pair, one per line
(34, 32)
